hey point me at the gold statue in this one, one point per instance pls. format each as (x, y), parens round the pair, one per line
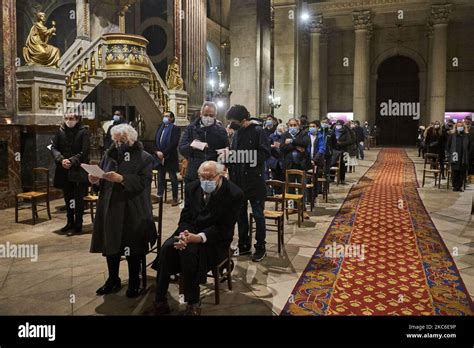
(37, 50)
(173, 76)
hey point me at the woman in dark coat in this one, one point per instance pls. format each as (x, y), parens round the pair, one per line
(436, 143)
(343, 141)
(70, 147)
(458, 151)
(124, 221)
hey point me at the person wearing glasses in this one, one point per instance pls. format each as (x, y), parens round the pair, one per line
(202, 239)
(70, 148)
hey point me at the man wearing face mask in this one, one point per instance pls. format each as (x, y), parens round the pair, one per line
(70, 147)
(343, 141)
(271, 124)
(293, 146)
(166, 151)
(436, 143)
(250, 177)
(117, 119)
(206, 133)
(458, 152)
(203, 237)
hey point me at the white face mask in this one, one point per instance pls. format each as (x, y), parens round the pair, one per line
(208, 121)
(208, 186)
(70, 123)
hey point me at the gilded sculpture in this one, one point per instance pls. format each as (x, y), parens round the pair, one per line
(36, 50)
(173, 76)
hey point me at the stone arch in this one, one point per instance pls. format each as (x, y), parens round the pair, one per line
(398, 51)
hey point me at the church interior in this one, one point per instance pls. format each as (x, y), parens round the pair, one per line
(392, 236)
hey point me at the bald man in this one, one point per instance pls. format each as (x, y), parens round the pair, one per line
(202, 239)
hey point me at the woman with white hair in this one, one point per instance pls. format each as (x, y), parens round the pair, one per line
(124, 221)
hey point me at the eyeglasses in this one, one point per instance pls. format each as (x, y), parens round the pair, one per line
(208, 178)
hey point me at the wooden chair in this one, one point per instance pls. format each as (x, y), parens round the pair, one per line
(183, 165)
(432, 160)
(39, 194)
(155, 177)
(220, 277)
(297, 198)
(277, 216)
(91, 201)
(336, 171)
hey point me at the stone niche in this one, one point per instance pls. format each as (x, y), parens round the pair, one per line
(179, 106)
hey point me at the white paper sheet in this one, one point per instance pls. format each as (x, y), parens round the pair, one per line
(198, 145)
(93, 170)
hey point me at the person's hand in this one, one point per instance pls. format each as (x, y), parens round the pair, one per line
(313, 163)
(288, 141)
(66, 164)
(300, 149)
(160, 155)
(93, 179)
(230, 131)
(113, 177)
(276, 144)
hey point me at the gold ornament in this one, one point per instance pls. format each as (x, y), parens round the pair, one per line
(173, 76)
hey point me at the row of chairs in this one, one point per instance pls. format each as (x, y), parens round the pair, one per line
(432, 169)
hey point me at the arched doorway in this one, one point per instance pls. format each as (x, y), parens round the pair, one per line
(398, 101)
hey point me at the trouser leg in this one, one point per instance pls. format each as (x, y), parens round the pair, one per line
(243, 226)
(189, 261)
(113, 265)
(168, 264)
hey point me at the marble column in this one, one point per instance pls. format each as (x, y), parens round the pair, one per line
(438, 59)
(367, 104)
(323, 64)
(7, 64)
(194, 51)
(429, 36)
(314, 100)
(178, 32)
(83, 20)
(362, 25)
(285, 56)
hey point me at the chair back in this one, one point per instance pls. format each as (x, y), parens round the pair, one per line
(41, 180)
(295, 178)
(432, 159)
(277, 188)
(183, 165)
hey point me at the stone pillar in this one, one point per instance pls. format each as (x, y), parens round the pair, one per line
(429, 36)
(285, 25)
(250, 66)
(439, 18)
(83, 20)
(314, 100)
(362, 25)
(194, 51)
(367, 107)
(7, 64)
(323, 63)
(178, 33)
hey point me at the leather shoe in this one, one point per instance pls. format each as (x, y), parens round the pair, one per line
(133, 292)
(174, 203)
(193, 310)
(161, 308)
(69, 226)
(109, 287)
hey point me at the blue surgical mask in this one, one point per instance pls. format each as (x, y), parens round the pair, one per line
(278, 132)
(116, 118)
(312, 130)
(293, 130)
(268, 123)
(208, 186)
(339, 127)
(166, 120)
(460, 129)
(324, 125)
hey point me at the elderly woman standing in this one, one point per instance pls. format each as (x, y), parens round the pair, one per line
(124, 222)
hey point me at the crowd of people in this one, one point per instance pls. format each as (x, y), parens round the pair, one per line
(453, 144)
(217, 193)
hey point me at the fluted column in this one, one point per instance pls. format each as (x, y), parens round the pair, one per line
(429, 36)
(368, 111)
(83, 19)
(316, 28)
(362, 25)
(323, 64)
(439, 18)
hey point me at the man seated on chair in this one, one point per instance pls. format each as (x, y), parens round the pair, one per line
(202, 239)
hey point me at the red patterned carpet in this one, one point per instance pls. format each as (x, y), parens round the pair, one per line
(382, 254)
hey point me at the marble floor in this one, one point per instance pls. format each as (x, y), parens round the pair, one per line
(64, 278)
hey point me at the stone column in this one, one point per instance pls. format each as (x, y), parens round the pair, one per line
(285, 25)
(314, 100)
(362, 25)
(194, 51)
(439, 18)
(429, 36)
(323, 64)
(83, 20)
(7, 64)
(177, 25)
(367, 107)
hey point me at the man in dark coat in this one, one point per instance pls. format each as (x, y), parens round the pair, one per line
(458, 150)
(124, 222)
(293, 147)
(360, 138)
(203, 237)
(343, 142)
(205, 130)
(251, 140)
(70, 147)
(166, 150)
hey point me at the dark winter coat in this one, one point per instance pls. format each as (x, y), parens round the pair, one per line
(458, 150)
(346, 142)
(124, 214)
(216, 220)
(73, 144)
(216, 138)
(170, 152)
(300, 160)
(248, 176)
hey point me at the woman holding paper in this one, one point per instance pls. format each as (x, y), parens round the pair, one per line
(124, 221)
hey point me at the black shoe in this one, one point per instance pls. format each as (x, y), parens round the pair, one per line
(244, 250)
(69, 226)
(193, 310)
(109, 287)
(133, 292)
(78, 228)
(259, 254)
(161, 308)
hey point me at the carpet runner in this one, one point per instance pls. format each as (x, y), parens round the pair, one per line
(382, 254)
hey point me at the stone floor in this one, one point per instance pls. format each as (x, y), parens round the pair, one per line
(64, 278)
